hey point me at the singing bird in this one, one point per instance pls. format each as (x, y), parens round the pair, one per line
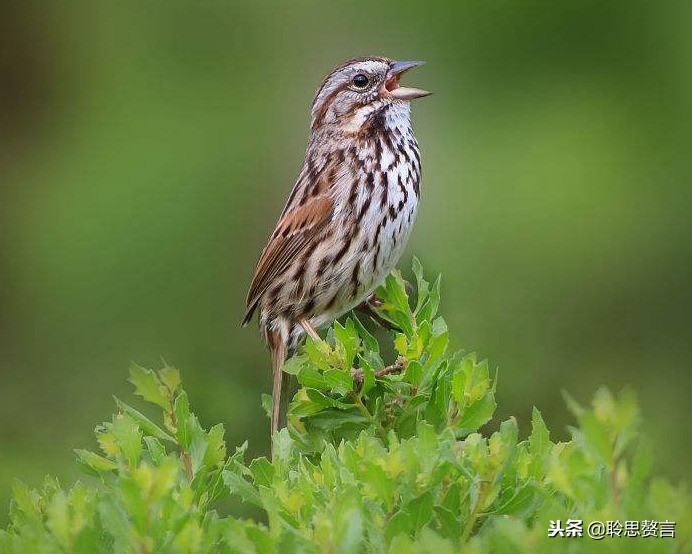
(349, 215)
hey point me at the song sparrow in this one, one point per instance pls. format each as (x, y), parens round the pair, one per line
(350, 212)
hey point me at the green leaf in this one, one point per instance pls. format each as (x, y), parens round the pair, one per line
(310, 377)
(414, 373)
(128, 437)
(449, 525)
(262, 471)
(156, 450)
(148, 426)
(295, 364)
(396, 290)
(376, 481)
(94, 461)
(422, 286)
(197, 451)
(170, 377)
(596, 436)
(215, 453)
(420, 510)
(106, 440)
(369, 340)
(58, 519)
(181, 410)
(325, 401)
(438, 343)
(27, 501)
(347, 337)
(348, 524)
(519, 502)
(148, 385)
(116, 522)
(539, 444)
(398, 524)
(338, 381)
(368, 378)
(241, 487)
(401, 344)
(266, 402)
(429, 310)
(477, 414)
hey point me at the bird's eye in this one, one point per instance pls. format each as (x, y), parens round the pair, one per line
(360, 81)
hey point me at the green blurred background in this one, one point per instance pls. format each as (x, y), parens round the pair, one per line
(147, 149)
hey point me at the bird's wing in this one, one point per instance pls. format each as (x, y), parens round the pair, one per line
(294, 232)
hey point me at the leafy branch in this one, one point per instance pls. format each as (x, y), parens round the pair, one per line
(379, 456)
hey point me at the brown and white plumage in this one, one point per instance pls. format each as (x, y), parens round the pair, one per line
(350, 212)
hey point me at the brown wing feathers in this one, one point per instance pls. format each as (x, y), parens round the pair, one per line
(294, 233)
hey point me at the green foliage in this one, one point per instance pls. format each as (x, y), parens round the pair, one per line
(377, 457)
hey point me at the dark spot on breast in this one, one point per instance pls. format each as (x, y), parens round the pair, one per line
(354, 276)
(363, 209)
(370, 180)
(384, 191)
(377, 232)
(387, 140)
(414, 149)
(403, 188)
(342, 251)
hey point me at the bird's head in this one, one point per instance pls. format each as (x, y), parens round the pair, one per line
(360, 88)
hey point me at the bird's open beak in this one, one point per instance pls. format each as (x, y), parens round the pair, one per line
(391, 85)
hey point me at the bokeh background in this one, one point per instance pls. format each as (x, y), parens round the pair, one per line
(147, 148)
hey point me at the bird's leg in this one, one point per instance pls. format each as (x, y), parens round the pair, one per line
(309, 329)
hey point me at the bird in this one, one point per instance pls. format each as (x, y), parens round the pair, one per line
(348, 217)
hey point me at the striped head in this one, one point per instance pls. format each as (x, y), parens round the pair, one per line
(359, 88)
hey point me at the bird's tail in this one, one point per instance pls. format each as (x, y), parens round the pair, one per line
(278, 349)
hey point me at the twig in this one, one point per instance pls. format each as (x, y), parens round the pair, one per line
(396, 367)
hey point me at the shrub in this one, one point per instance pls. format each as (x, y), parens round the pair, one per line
(378, 457)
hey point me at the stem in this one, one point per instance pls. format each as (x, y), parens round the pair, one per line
(396, 367)
(362, 407)
(473, 518)
(183, 453)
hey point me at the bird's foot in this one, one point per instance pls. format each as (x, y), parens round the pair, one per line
(369, 308)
